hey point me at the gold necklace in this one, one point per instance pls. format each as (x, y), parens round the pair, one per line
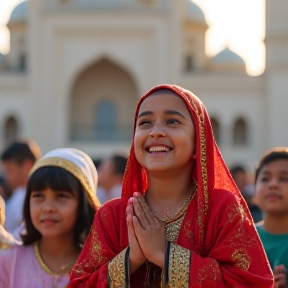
(181, 211)
(40, 261)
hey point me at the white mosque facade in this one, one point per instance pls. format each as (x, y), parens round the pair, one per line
(77, 68)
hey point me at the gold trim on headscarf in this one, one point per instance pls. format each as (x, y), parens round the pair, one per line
(74, 170)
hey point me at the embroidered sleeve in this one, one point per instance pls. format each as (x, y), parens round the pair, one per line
(177, 266)
(118, 270)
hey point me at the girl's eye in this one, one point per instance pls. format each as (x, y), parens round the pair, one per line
(63, 195)
(144, 122)
(36, 195)
(264, 179)
(173, 121)
(284, 179)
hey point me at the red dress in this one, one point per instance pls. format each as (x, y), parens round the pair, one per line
(214, 244)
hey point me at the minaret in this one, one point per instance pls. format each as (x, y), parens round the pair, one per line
(275, 118)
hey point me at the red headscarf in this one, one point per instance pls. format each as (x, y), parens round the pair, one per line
(210, 171)
(217, 229)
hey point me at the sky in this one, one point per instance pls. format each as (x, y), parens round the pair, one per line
(236, 24)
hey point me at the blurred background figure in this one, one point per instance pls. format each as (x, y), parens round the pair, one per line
(5, 190)
(271, 180)
(110, 174)
(247, 189)
(16, 161)
(5, 238)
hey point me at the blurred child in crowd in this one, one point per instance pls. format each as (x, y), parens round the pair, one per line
(16, 161)
(247, 190)
(272, 196)
(59, 208)
(111, 173)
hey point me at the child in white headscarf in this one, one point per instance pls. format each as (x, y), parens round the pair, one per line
(59, 209)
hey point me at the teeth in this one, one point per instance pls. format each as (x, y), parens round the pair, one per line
(158, 149)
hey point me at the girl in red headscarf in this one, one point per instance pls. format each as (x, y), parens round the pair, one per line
(181, 222)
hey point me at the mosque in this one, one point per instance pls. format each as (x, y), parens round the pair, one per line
(77, 67)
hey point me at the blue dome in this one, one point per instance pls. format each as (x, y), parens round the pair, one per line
(227, 57)
(194, 12)
(19, 13)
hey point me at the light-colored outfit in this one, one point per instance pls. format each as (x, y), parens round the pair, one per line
(22, 266)
(104, 196)
(5, 238)
(14, 211)
(20, 269)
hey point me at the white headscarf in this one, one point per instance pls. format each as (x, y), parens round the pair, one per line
(78, 164)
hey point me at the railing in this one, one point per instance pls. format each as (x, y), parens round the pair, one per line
(90, 133)
(80, 5)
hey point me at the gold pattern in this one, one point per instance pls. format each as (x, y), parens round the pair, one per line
(116, 270)
(95, 258)
(173, 229)
(74, 170)
(210, 271)
(241, 259)
(203, 162)
(179, 267)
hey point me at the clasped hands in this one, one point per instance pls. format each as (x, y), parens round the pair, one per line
(146, 234)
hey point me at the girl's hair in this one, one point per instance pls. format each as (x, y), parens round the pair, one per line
(58, 179)
(278, 153)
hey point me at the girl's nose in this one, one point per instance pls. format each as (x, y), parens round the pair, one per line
(273, 183)
(48, 206)
(157, 132)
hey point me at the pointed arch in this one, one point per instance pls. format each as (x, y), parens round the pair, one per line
(11, 128)
(240, 132)
(216, 129)
(103, 98)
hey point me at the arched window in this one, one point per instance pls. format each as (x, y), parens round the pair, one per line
(106, 121)
(216, 129)
(22, 63)
(240, 136)
(189, 63)
(10, 129)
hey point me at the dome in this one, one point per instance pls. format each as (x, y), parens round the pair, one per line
(19, 13)
(227, 57)
(194, 12)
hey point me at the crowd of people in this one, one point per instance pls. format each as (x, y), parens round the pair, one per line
(171, 214)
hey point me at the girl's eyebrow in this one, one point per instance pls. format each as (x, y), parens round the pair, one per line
(167, 112)
(145, 113)
(174, 112)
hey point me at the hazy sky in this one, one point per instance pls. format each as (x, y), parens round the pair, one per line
(238, 24)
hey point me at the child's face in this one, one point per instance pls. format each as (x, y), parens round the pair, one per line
(165, 135)
(272, 188)
(53, 213)
(15, 174)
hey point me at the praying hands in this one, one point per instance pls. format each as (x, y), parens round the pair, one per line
(146, 234)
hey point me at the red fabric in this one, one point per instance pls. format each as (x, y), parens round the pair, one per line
(217, 229)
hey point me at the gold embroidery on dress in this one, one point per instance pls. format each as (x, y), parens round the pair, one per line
(74, 170)
(241, 239)
(210, 271)
(95, 258)
(173, 229)
(179, 267)
(116, 270)
(241, 259)
(203, 162)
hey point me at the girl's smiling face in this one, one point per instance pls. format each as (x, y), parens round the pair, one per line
(53, 213)
(165, 135)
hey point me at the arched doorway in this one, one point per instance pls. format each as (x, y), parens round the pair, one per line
(240, 137)
(216, 129)
(10, 129)
(104, 98)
